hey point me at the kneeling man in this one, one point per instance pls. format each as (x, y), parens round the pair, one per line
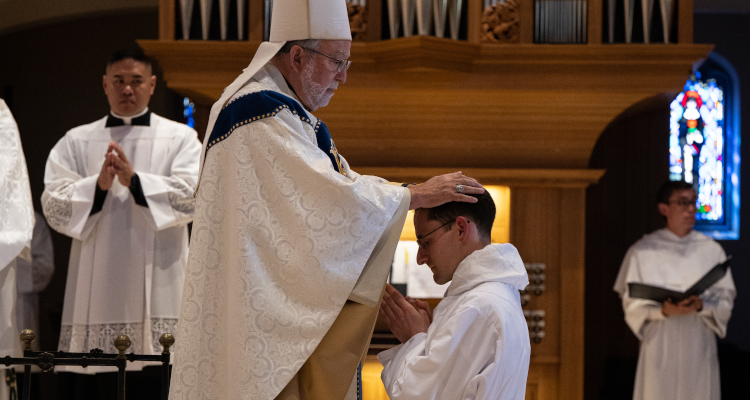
(476, 346)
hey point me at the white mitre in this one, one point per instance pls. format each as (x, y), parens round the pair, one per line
(290, 20)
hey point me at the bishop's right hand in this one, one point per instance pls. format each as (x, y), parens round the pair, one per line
(442, 189)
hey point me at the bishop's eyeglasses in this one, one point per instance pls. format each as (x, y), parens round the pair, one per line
(341, 65)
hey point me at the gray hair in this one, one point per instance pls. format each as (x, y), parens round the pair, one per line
(312, 44)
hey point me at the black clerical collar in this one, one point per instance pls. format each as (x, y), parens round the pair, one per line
(143, 120)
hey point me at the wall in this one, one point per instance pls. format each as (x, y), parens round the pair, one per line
(20, 15)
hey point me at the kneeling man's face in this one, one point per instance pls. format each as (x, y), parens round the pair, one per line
(438, 246)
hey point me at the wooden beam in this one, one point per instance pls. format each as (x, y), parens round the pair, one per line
(595, 21)
(166, 19)
(255, 14)
(572, 276)
(685, 21)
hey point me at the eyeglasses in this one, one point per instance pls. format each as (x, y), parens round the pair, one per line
(422, 244)
(341, 65)
(684, 203)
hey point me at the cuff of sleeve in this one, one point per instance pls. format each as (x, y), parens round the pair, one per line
(99, 197)
(654, 314)
(137, 191)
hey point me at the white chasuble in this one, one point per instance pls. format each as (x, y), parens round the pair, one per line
(678, 357)
(280, 239)
(127, 261)
(16, 227)
(477, 346)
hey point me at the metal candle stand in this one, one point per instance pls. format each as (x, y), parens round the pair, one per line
(47, 361)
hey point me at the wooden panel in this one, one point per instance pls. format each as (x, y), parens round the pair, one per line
(595, 21)
(535, 230)
(166, 19)
(572, 245)
(543, 379)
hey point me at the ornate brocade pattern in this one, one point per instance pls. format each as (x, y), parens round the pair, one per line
(180, 196)
(278, 243)
(83, 338)
(59, 208)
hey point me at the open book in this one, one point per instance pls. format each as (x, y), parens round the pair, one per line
(655, 293)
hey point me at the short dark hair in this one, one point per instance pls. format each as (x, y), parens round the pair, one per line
(305, 44)
(669, 187)
(481, 213)
(135, 54)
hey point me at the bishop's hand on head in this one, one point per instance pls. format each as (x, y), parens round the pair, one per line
(442, 189)
(404, 319)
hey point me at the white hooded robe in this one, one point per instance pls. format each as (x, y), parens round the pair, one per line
(477, 346)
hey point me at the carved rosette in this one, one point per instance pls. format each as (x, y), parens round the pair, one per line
(357, 21)
(500, 23)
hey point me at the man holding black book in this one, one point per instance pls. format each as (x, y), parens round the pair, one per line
(678, 357)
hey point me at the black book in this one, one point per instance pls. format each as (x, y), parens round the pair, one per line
(660, 294)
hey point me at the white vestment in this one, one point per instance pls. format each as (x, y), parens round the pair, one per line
(33, 276)
(16, 227)
(127, 262)
(678, 357)
(477, 346)
(280, 239)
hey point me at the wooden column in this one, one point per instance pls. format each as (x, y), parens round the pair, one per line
(255, 10)
(374, 20)
(526, 21)
(474, 20)
(572, 279)
(166, 19)
(594, 30)
(685, 21)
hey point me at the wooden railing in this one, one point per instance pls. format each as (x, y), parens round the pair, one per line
(475, 21)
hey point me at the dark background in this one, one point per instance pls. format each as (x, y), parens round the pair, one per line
(51, 78)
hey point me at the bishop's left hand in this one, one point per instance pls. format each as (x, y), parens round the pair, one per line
(404, 319)
(120, 164)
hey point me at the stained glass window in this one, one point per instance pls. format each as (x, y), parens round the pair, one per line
(704, 146)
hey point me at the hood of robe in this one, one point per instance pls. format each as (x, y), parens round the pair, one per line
(494, 263)
(668, 236)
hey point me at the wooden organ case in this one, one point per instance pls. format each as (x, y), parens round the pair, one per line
(504, 91)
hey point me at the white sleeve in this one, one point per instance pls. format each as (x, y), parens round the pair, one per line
(170, 198)
(637, 311)
(68, 196)
(718, 302)
(440, 364)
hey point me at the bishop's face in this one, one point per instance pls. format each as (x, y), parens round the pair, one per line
(321, 75)
(128, 85)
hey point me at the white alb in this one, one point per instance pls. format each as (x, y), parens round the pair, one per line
(127, 262)
(678, 358)
(477, 346)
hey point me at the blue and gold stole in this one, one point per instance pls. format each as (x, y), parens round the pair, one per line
(264, 104)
